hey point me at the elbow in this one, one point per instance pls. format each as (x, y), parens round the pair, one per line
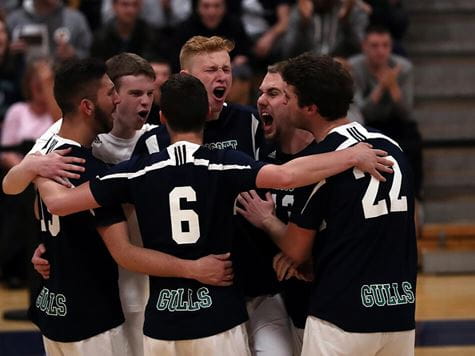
(286, 180)
(54, 207)
(8, 188)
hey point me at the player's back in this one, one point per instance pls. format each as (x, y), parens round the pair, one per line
(365, 249)
(184, 198)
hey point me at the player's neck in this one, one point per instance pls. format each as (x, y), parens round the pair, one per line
(75, 129)
(213, 115)
(122, 132)
(320, 128)
(192, 137)
(295, 141)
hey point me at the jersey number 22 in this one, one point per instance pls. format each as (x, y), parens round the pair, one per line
(373, 209)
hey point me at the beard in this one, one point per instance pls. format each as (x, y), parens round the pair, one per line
(102, 119)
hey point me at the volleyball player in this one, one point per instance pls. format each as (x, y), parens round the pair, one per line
(78, 309)
(198, 187)
(284, 142)
(360, 230)
(237, 127)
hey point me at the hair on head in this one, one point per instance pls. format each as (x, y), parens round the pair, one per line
(320, 81)
(126, 63)
(184, 103)
(77, 79)
(200, 44)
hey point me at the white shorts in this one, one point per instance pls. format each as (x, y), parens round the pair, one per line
(326, 339)
(269, 326)
(133, 331)
(109, 343)
(297, 337)
(232, 342)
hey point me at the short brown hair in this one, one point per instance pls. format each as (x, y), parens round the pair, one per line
(277, 67)
(124, 64)
(201, 44)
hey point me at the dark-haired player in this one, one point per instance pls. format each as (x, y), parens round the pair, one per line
(284, 142)
(360, 231)
(78, 308)
(237, 127)
(184, 201)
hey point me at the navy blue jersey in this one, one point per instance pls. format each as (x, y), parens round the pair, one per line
(295, 292)
(237, 127)
(184, 198)
(365, 248)
(81, 297)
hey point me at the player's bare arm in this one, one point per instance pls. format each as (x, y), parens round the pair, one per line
(296, 243)
(212, 269)
(55, 165)
(61, 200)
(314, 168)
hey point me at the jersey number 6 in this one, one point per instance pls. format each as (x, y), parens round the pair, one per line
(182, 217)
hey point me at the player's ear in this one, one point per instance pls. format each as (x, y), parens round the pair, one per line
(184, 71)
(86, 106)
(312, 109)
(163, 119)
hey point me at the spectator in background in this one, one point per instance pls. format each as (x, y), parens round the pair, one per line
(266, 21)
(162, 71)
(334, 27)
(385, 93)
(160, 14)
(125, 32)
(391, 15)
(92, 11)
(212, 19)
(49, 28)
(10, 69)
(8, 6)
(24, 123)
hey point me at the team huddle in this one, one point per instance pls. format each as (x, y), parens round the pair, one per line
(222, 231)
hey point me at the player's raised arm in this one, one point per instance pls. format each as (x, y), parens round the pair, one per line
(64, 201)
(310, 169)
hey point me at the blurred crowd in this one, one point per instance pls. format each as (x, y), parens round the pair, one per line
(366, 35)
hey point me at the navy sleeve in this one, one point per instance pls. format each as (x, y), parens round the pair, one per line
(113, 187)
(241, 170)
(103, 216)
(308, 208)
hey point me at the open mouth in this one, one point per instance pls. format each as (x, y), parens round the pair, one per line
(267, 119)
(219, 92)
(143, 114)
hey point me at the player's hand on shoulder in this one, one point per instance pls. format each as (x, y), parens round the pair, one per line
(40, 264)
(215, 270)
(58, 166)
(371, 160)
